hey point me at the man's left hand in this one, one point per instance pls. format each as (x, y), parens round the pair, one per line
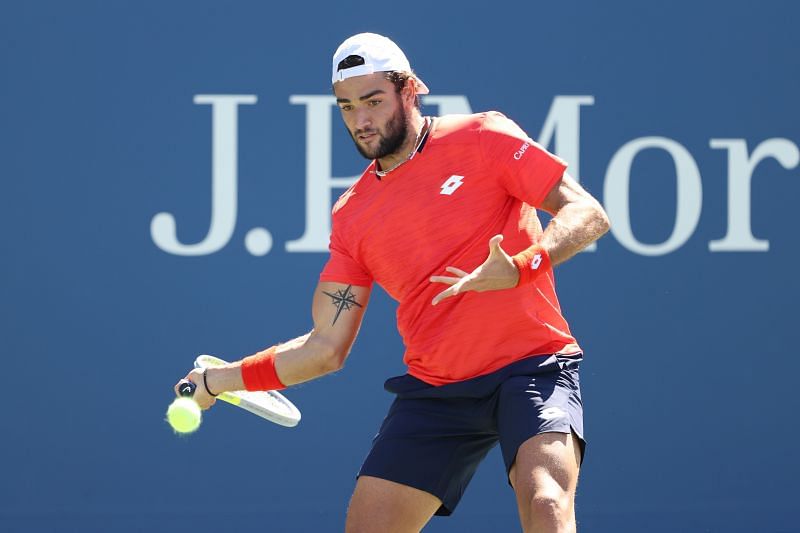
(496, 273)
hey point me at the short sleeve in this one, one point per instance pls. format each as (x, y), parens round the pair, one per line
(525, 169)
(341, 267)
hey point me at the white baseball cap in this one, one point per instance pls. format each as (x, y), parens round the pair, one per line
(379, 53)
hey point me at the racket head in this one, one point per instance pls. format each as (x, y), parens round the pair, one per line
(271, 405)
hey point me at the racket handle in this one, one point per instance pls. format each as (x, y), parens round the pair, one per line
(186, 388)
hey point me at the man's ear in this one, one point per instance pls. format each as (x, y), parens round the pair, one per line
(409, 91)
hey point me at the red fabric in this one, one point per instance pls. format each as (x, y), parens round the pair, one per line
(530, 263)
(258, 372)
(404, 228)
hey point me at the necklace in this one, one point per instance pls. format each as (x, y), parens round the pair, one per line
(417, 143)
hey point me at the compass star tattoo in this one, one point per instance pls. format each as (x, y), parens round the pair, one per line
(343, 300)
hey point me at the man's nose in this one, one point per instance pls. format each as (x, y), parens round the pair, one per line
(363, 119)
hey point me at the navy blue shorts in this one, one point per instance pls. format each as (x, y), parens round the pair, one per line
(433, 438)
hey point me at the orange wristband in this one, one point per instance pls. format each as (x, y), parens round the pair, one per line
(531, 263)
(258, 372)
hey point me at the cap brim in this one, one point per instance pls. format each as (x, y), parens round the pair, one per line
(421, 87)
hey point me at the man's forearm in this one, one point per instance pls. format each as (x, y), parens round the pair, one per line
(298, 360)
(573, 228)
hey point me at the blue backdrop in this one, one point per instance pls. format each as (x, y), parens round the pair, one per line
(682, 118)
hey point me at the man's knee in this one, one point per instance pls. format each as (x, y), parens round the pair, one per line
(548, 514)
(550, 507)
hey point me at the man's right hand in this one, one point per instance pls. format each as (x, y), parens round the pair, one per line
(201, 396)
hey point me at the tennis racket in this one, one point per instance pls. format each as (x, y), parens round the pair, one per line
(271, 405)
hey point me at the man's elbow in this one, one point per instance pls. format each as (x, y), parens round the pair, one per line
(333, 358)
(600, 221)
(604, 223)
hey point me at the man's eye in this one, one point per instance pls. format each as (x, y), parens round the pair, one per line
(373, 103)
(346, 107)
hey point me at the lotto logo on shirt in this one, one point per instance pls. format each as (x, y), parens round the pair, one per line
(452, 183)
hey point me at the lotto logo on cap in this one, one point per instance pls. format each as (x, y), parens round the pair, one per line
(380, 54)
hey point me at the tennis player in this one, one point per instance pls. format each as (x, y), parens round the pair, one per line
(444, 219)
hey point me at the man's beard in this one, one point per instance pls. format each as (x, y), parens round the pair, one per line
(396, 132)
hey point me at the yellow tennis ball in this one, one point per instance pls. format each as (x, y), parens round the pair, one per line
(184, 415)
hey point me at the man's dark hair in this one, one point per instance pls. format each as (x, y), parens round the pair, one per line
(398, 78)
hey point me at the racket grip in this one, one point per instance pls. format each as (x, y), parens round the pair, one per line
(186, 388)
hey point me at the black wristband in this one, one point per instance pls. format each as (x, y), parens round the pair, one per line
(205, 384)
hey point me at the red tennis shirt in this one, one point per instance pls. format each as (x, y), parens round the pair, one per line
(476, 176)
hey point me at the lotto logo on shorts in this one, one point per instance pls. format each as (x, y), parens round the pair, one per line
(552, 412)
